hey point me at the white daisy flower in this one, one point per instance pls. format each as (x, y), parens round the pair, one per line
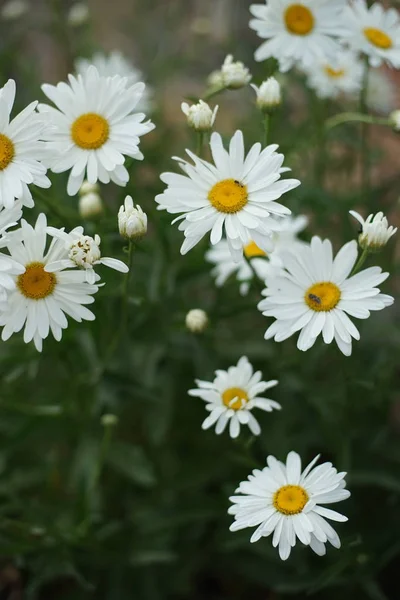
(301, 32)
(200, 116)
(265, 266)
(234, 74)
(83, 251)
(232, 396)
(317, 294)
(94, 126)
(374, 31)
(381, 92)
(282, 500)
(268, 95)
(115, 63)
(9, 217)
(41, 300)
(21, 150)
(375, 231)
(237, 194)
(341, 76)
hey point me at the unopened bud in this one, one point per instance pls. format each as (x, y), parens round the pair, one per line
(375, 231)
(109, 420)
(90, 205)
(234, 74)
(200, 116)
(196, 320)
(132, 221)
(268, 95)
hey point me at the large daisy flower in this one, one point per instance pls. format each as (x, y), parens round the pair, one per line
(300, 33)
(115, 63)
(94, 126)
(237, 194)
(374, 31)
(21, 150)
(263, 265)
(39, 300)
(232, 396)
(283, 500)
(340, 76)
(316, 294)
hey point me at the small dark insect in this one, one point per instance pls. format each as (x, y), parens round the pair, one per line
(238, 182)
(315, 298)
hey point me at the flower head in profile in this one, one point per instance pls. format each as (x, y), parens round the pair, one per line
(266, 267)
(132, 220)
(232, 396)
(374, 31)
(21, 150)
(40, 300)
(83, 252)
(268, 95)
(343, 75)
(375, 231)
(94, 127)
(317, 293)
(298, 33)
(115, 63)
(285, 501)
(237, 195)
(234, 74)
(200, 116)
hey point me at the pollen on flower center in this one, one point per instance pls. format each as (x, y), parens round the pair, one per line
(335, 73)
(235, 398)
(36, 283)
(90, 131)
(378, 38)
(299, 19)
(228, 196)
(7, 151)
(290, 499)
(322, 296)
(252, 250)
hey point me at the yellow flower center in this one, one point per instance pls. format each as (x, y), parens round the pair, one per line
(322, 296)
(252, 250)
(90, 131)
(235, 398)
(335, 73)
(228, 196)
(299, 19)
(378, 38)
(36, 283)
(290, 499)
(7, 151)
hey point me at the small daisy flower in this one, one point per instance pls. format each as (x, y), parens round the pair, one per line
(232, 396)
(381, 92)
(21, 150)
(374, 31)
(41, 300)
(199, 116)
(375, 231)
(196, 320)
(301, 32)
(83, 251)
(234, 74)
(282, 500)
(115, 63)
(341, 76)
(316, 295)
(265, 266)
(236, 193)
(94, 126)
(268, 95)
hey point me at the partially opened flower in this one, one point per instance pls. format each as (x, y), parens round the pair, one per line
(282, 500)
(40, 300)
(374, 31)
(375, 231)
(232, 396)
(298, 33)
(343, 75)
(199, 116)
(317, 293)
(236, 195)
(268, 95)
(234, 74)
(21, 150)
(83, 251)
(94, 127)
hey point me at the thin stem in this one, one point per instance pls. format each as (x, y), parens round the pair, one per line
(266, 127)
(360, 261)
(348, 117)
(364, 149)
(213, 92)
(125, 289)
(200, 140)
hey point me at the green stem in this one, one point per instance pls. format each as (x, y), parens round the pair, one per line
(213, 92)
(266, 127)
(364, 146)
(65, 220)
(348, 117)
(125, 289)
(360, 261)
(200, 140)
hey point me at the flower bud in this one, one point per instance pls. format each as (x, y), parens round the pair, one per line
(88, 188)
(394, 119)
(199, 116)
(78, 14)
(234, 74)
(132, 221)
(14, 9)
(196, 320)
(375, 231)
(109, 420)
(215, 79)
(90, 205)
(268, 95)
